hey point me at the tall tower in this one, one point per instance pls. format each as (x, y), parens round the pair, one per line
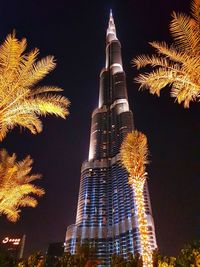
(106, 213)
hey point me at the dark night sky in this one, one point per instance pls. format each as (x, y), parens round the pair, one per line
(74, 31)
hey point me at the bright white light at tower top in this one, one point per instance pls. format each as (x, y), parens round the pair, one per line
(111, 30)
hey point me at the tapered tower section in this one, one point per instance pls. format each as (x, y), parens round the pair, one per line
(106, 213)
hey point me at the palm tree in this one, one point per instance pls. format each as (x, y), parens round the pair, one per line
(86, 254)
(189, 255)
(177, 65)
(21, 100)
(16, 189)
(36, 260)
(134, 153)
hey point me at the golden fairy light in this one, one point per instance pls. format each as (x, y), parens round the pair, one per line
(177, 65)
(21, 100)
(16, 189)
(134, 152)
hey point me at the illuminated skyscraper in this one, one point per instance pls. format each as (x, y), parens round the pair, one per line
(106, 214)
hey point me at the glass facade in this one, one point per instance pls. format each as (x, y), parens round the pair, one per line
(106, 213)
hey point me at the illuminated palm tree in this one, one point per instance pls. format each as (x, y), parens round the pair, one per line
(21, 101)
(177, 65)
(134, 153)
(16, 189)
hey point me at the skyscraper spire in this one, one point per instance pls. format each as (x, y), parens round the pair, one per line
(111, 31)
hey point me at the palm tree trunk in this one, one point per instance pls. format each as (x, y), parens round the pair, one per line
(138, 187)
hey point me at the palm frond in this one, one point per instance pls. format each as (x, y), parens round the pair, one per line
(25, 120)
(191, 67)
(24, 68)
(10, 52)
(185, 92)
(189, 64)
(185, 33)
(16, 189)
(155, 80)
(4, 156)
(27, 189)
(183, 89)
(168, 51)
(39, 70)
(154, 61)
(50, 104)
(28, 202)
(33, 177)
(23, 175)
(25, 163)
(12, 214)
(3, 131)
(195, 10)
(45, 89)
